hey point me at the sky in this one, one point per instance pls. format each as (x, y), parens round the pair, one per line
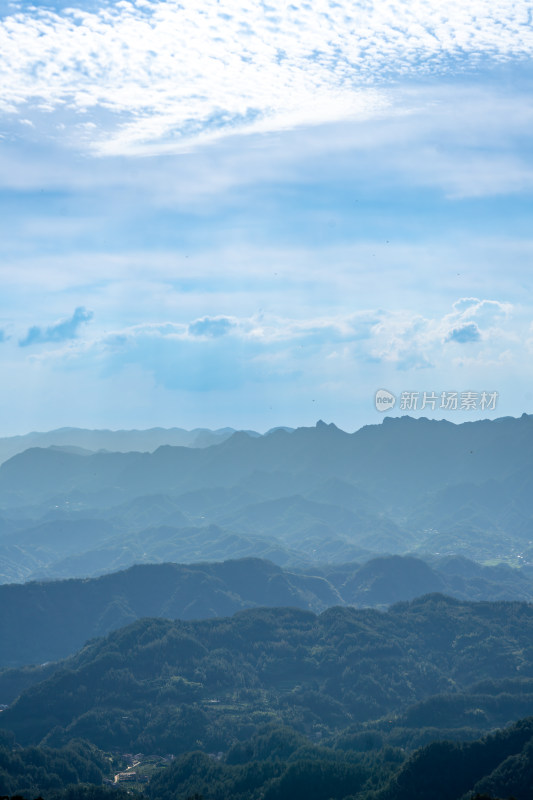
(259, 214)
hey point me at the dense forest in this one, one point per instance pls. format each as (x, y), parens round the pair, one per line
(279, 763)
(172, 686)
(47, 621)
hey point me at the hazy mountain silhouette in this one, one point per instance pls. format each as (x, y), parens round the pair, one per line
(297, 497)
(114, 441)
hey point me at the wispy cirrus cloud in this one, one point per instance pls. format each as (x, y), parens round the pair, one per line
(61, 331)
(145, 71)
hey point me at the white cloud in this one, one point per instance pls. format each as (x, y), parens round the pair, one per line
(265, 364)
(465, 138)
(415, 341)
(402, 339)
(175, 74)
(472, 308)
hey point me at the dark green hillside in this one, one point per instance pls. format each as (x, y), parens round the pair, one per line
(277, 764)
(165, 686)
(33, 771)
(46, 621)
(280, 764)
(451, 770)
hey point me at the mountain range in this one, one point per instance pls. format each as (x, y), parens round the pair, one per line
(47, 621)
(299, 498)
(86, 441)
(305, 613)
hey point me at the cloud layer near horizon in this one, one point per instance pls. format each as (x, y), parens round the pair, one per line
(403, 339)
(251, 371)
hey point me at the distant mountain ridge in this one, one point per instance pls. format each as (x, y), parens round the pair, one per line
(379, 458)
(297, 497)
(123, 441)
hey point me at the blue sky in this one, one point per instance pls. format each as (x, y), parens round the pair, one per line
(260, 214)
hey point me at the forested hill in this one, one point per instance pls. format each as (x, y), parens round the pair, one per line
(162, 686)
(278, 763)
(47, 621)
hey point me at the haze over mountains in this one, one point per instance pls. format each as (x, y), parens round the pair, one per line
(297, 498)
(314, 628)
(310, 518)
(114, 441)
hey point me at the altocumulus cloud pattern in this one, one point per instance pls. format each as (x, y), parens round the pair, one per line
(164, 74)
